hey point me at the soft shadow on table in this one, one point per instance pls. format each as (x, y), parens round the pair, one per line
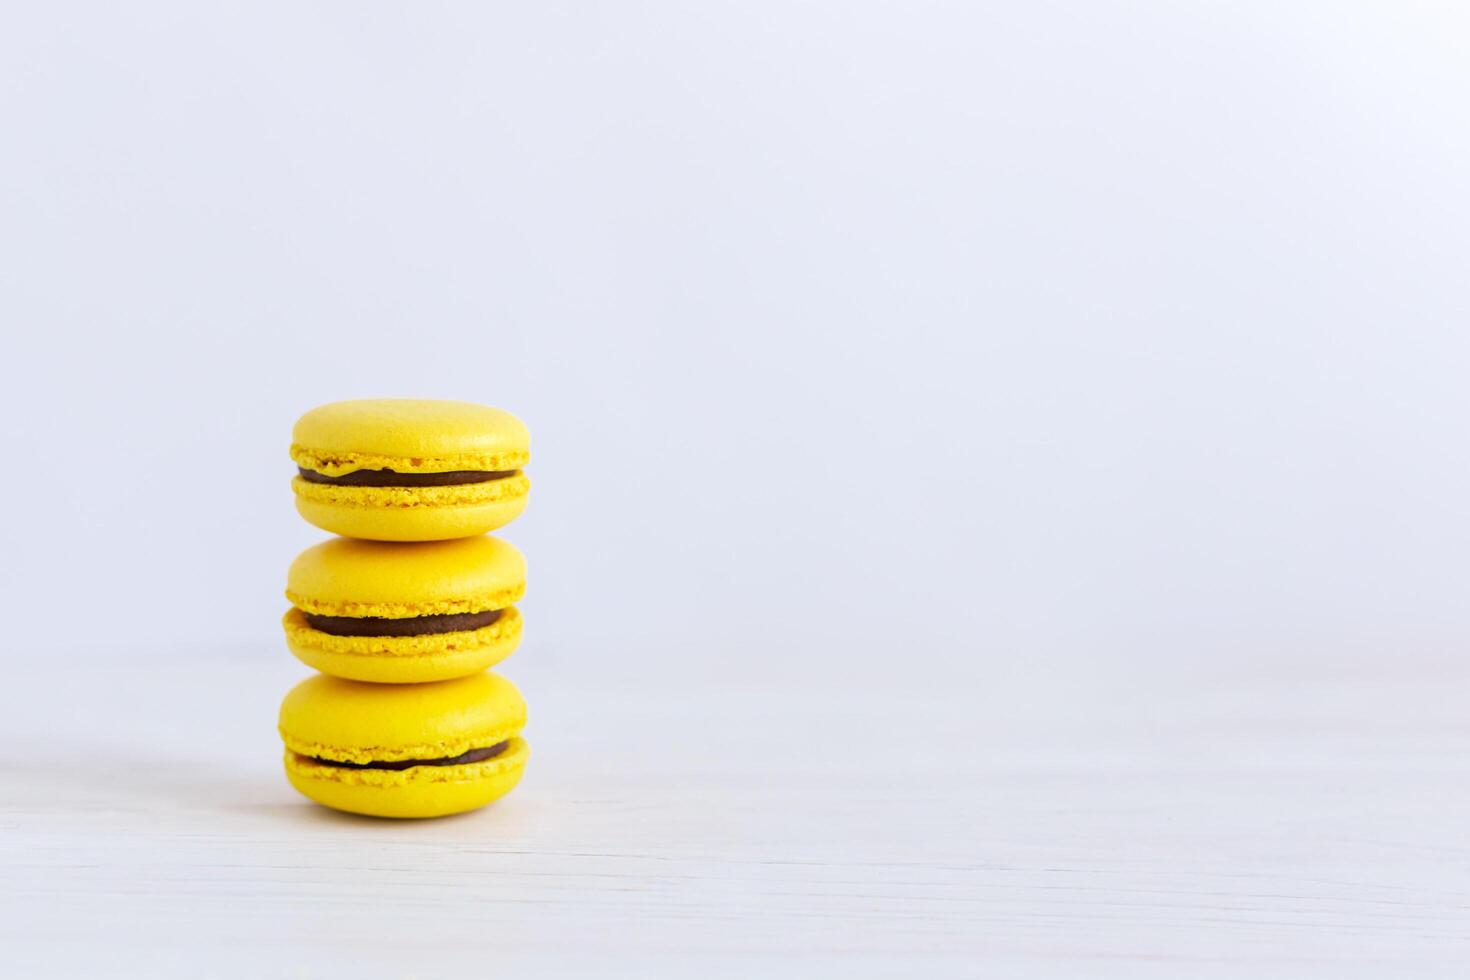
(98, 777)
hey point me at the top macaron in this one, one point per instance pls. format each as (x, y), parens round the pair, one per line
(403, 469)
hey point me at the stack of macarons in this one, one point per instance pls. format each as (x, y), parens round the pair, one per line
(404, 612)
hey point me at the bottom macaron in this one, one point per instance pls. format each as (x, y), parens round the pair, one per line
(421, 750)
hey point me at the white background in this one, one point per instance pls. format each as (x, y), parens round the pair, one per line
(930, 372)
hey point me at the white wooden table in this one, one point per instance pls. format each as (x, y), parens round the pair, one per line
(1055, 819)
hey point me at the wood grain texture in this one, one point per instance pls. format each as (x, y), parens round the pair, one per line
(1060, 820)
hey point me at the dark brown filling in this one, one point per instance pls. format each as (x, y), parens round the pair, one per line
(413, 626)
(464, 758)
(391, 478)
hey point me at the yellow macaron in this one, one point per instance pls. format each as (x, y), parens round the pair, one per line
(399, 613)
(403, 469)
(404, 750)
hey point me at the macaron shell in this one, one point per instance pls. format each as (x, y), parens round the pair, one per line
(403, 659)
(412, 513)
(423, 791)
(395, 580)
(408, 435)
(353, 721)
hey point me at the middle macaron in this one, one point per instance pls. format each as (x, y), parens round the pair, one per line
(405, 613)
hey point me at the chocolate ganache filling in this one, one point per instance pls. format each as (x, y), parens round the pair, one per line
(392, 478)
(464, 758)
(412, 626)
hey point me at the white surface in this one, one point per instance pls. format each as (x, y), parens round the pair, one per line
(1063, 820)
(1020, 444)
